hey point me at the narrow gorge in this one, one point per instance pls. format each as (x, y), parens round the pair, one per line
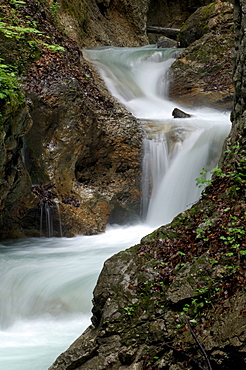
(93, 159)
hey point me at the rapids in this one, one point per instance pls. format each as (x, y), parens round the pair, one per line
(47, 283)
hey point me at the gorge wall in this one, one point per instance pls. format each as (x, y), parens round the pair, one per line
(63, 145)
(62, 135)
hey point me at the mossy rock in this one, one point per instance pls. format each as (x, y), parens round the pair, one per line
(214, 17)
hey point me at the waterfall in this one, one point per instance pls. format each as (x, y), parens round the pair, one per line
(46, 283)
(176, 150)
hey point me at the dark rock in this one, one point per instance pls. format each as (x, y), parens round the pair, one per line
(152, 324)
(168, 32)
(170, 14)
(177, 113)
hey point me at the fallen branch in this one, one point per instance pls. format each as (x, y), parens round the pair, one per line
(169, 32)
(199, 344)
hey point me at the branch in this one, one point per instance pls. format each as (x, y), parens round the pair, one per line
(199, 344)
(169, 32)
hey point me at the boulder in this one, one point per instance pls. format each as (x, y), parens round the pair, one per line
(165, 42)
(202, 74)
(178, 113)
(216, 17)
(105, 22)
(139, 312)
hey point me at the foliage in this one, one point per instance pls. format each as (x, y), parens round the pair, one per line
(8, 82)
(237, 176)
(16, 31)
(9, 86)
(25, 41)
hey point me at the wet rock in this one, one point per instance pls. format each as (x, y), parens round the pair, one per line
(170, 14)
(77, 137)
(177, 113)
(15, 183)
(80, 151)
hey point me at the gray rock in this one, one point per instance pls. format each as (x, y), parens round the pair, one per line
(165, 42)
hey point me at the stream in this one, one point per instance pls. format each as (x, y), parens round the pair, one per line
(47, 283)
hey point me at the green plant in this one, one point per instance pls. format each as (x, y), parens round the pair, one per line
(237, 175)
(9, 87)
(202, 230)
(17, 32)
(203, 181)
(54, 8)
(233, 235)
(17, 2)
(54, 48)
(129, 310)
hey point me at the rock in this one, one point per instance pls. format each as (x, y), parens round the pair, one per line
(170, 14)
(202, 74)
(15, 183)
(216, 17)
(75, 137)
(105, 22)
(165, 42)
(81, 152)
(127, 281)
(177, 113)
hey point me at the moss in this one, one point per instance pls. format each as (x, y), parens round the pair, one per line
(78, 10)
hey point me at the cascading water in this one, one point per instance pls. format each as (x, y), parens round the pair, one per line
(46, 283)
(175, 149)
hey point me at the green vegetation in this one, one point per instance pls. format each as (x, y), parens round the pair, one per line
(17, 31)
(237, 176)
(9, 87)
(21, 42)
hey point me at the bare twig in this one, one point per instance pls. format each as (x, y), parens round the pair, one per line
(199, 344)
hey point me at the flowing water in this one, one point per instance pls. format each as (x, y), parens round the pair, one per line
(175, 150)
(46, 283)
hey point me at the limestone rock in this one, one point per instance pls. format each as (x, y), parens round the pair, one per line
(202, 74)
(216, 17)
(143, 326)
(165, 42)
(171, 14)
(15, 194)
(105, 22)
(77, 138)
(80, 152)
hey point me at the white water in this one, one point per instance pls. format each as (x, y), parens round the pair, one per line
(175, 150)
(46, 284)
(46, 291)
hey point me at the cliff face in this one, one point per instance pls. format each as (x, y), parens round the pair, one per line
(63, 148)
(183, 286)
(15, 193)
(105, 22)
(62, 144)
